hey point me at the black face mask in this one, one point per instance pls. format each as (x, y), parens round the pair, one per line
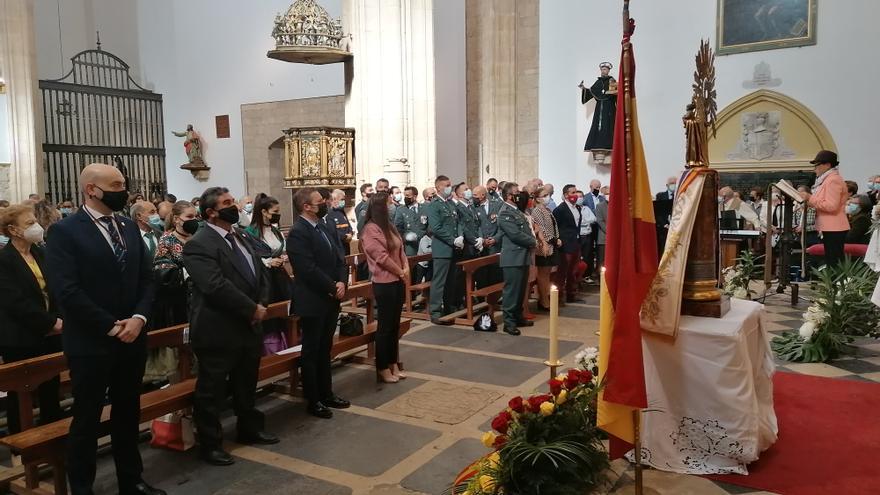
(408, 201)
(595, 192)
(522, 201)
(322, 210)
(115, 200)
(190, 226)
(476, 201)
(229, 214)
(276, 217)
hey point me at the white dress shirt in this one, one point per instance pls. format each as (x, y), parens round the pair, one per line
(223, 232)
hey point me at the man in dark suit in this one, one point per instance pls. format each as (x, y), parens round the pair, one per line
(588, 242)
(229, 290)
(102, 278)
(149, 224)
(663, 211)
(319, 284)
(568, 219)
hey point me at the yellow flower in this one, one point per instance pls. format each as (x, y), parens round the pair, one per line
(487, 483)
(561, 377)
(547, 408)
(494, 459)
(562, 397)
(466, 493)
(488, 439)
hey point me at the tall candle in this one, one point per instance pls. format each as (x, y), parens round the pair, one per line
(554, 322)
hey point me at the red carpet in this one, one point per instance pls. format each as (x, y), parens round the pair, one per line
(829, 439)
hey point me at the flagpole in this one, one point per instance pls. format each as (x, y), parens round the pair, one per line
(626, 70)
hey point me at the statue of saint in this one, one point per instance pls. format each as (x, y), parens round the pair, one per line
(604, 91)
(696, 137)
(192, 144)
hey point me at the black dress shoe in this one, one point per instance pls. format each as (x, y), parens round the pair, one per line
(438, 321)
(258, 438)
(525, 323)
(336, 402)
(217, 457)
(319, 410)
(511, 330)
(142, 488)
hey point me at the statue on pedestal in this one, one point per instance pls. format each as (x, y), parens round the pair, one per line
(604, 91)
(193, 146)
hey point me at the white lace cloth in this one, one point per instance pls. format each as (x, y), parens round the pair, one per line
(710, 394)
(872, 259)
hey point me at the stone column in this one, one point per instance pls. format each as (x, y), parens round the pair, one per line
(18, 65)
(502, 89)
(390, 88)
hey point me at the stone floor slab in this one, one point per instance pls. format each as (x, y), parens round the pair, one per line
(439, 472)
(359, 386)
(442, 402)
(580, 311)
(349, 442)
(469, 367)
(498, 342)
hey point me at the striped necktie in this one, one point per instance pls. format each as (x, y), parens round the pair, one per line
(115, 241)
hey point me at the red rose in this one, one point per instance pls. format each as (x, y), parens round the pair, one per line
(536, 401)
(502, 422)
(500, 440)
(586, 376)
(573, 379)
(555, 386)
(516, 404)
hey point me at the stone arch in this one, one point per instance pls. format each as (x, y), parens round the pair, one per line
(766, 130)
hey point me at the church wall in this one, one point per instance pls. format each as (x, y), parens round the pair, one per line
(449, 87)
(207, 58)
(834, 78)
(5, 152)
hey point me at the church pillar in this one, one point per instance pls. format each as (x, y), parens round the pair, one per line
(18, 66)
(502, 89)
(390, 88)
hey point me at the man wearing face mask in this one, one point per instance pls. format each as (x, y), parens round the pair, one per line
(446, 249)
(469, 228)
(339, 222)
(517, 241)
(149, 223)
(408, 221)
(396, 200)
(246, 209)
(66, 208)
(663, 211)
(101, 275)
(487, 215)
(318, 288)
(568, 219)
(230, 290)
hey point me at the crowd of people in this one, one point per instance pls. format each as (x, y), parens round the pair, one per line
(92, 279)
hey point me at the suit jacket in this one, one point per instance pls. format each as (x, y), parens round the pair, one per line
(317, 267)
(443, 222)
(601, 222)
(489, 224)
(569, 228)
(92, 289)
(829, 200)
(223, 299)
(590, 203)
(24, 318)
(517, 239)
(468, 227)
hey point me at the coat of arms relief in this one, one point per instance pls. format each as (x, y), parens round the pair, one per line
(761, 138)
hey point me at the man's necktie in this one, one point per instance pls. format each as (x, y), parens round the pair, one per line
(151, 243)
(327, 239)
(115, 241)
(240, 260)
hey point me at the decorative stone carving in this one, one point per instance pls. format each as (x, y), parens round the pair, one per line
(761, 138)
(307, 34)
(762, 78)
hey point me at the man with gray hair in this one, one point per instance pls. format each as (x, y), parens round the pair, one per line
(149, 223)
(336, 218)
(551, 204)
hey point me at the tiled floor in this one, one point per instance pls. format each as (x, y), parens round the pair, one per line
(414, 437)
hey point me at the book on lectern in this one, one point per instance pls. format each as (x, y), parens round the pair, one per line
(789, 190)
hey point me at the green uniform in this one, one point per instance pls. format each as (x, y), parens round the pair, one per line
(488, 217)
(468, 227)
(411, 219)
(360, 213)
(443, 222)
(517, 241)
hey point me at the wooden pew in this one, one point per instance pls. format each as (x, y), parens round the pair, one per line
(413, 289)
(491, 292)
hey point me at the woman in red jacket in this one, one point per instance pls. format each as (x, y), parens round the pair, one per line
(829, 198)
(389, 269)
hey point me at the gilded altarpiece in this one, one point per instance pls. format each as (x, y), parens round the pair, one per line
(319, 156)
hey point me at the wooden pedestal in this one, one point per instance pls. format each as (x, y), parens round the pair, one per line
(709, 309)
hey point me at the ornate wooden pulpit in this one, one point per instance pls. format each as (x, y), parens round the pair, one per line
(319, 157)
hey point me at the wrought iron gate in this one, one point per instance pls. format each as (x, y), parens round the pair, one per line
(97, 113)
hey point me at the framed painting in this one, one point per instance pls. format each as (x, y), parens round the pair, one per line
(754, 25)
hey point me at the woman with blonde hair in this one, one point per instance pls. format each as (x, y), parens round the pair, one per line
(546, 255)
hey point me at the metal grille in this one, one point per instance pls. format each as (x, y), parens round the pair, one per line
(97, 113)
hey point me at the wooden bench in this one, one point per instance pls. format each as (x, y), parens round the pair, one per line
(46, 444)
(413, 289)
(492, 292)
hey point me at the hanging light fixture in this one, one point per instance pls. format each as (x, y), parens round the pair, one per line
(307, 34)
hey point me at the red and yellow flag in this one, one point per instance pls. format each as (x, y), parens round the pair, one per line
(630, 266)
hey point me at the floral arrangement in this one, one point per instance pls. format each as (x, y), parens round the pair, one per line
(842, 310)
(546, 443)
(738, 277)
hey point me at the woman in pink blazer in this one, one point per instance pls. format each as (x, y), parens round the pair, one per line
(829, 198)
(389, 269)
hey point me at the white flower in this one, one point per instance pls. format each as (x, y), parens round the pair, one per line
(741, 293)
(875, 212)
(815, 315)
(587, 357)
(807, 330)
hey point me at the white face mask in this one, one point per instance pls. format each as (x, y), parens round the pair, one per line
(33, 234)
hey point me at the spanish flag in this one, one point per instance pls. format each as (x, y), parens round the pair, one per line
(630, 266)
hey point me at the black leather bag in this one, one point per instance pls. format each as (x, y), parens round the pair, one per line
(350, 325)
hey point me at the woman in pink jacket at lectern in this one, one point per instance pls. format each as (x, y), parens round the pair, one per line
(829, 198)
